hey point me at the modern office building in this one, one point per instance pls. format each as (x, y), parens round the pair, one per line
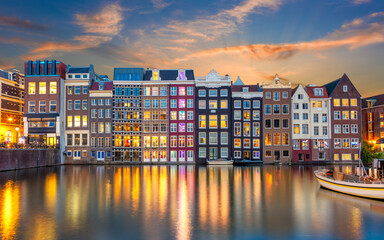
(127, 114)
(246, 121)
(213, 113)
(11, 107)
(277, 121)
(345, 119)
(44, 116)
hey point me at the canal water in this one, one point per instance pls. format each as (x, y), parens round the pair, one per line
(181, 202)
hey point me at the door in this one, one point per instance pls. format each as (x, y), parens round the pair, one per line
(213, 153)
(277, 155)
(247, 155)
(51, 141)
(301, 157)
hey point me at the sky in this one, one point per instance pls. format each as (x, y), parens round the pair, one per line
(304, 41)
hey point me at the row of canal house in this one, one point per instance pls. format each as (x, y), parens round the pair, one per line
(168, 115)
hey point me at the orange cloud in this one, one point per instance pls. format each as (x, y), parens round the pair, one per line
(107, 22)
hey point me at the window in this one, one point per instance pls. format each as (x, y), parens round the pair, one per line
(346, 115)
(237, 115)
(353, 102)
(247, 129)
(237, 154)
(100, 127)
(256, 104)
(163, 127)
(190, 91)
(181, 141)
(256, 129)
(147, 103)
(324, 118)
(202, 93)
(296, 116)
(345, 102)
(189, 103)
(237, 142)
(181, 127)
(85, 105)
(77, 104)
(212, 104)
(305, 116)
(212, 121)
(354, 128)
(93, 113)
(202, 121)
(337, 143)
(285, 123)
(256, 155)
(276, 123)
(213, 138)
(247, 143)
(353, 114)
(77, 89)
(247, 104)
(276, 109)
(189, 141)
(337, 115)
(173, 115)
(108, 127)
(268, 95)
(224, 121)
(202, 152)
(224, 92)
(276, 96)
(256, 115)
(268, 109)
(237, 129)
(345, 128)
(181, 91)
(247, 114)
(93, 127)
(52, 87)
(173, 91)
(336, 156)
(42, 87)
(285, 139)
(69, 139)
(285, 109)
(77, 139)
(237, 104)
(268, 139)
(346, 143)
(285, 94)
(296, 144)
(256, 143)
(181, 103)
(316, 130)
(173, 141)
(190, 127)
(181, 115)
(345, 88)
(190, 115)
(276, 139)
(32, 88)
(336, 102)
(155, 141)
(305, 128)
(202, 104)
(100, 142)
(42, 106)
(155, 103)
(268, 123)
(69, 121)
(212, 92)
(296, 129)
(245, 89)
(155, 91)
(224, 138)
(147, 91)
(223, 104)
(224, 152)
(85, 120)
(305, 144)
(52, 106)
(325, 130)
(202, 138)
(85, 89)
(337, 128)
(70, 90)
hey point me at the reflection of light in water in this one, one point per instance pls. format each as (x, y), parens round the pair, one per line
(356, 222)
(183, 217)
(136, 189)
(43, 228)
(50, 191)
(10, 210)
(117, 187)
(203, 201)
(163, 191)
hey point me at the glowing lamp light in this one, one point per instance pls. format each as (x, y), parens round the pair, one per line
(17, 129)
(10, 119)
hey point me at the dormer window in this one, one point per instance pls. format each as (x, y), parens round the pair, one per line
(70, 76)
(155, 75)
(318, 92)
(245, 89)
(101, 87)
(345, 88)
(85, 75)
(181, 75)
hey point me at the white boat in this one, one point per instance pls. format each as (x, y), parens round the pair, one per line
(344, 183)
(220, 162)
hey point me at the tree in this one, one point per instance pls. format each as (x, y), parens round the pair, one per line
(366, 153)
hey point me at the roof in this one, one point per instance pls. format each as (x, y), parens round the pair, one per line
(294, 90)
(311, 92)
(106, 85)
(238, 82)
(170, 74)
(79, 69)
(378, 100)
(251, 88)
(331, 86)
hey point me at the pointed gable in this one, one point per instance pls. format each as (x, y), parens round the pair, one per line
(336, 87)
(238, 82)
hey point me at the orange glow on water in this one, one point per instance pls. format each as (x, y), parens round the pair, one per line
(10, 210)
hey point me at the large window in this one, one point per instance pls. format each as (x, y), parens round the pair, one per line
(268, 139)
(42, 87)
(212, 121)
(52, 87)
(213, 138)
(247, 130)
(336, 102)
(32, 88)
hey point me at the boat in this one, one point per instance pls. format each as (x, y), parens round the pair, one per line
(361, 186)
(220, 162)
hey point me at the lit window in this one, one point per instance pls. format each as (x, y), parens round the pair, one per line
(85, 121)
(202, 121)
(155, 75)
(246, 130)
(296, 129)
(224, 121)
(268, 139)
(181, 141)
(202, 138)
(345, 102)
(223, 104)
(247, 143)
(147, 115)
(181, 127)
(189, 141)
(155, 141)
(181, 91)
(101, 127)
(173, 115)
(52, 87)
(69, 121)
(256, 143)
(336, 102)
(276, 139)
(353, 102)
(155, 91)
(247, 114)
(212, 121)
(212, 104)
(237, 142)
(42, 87)
(181, 115)
(32, 88)
(181, 103)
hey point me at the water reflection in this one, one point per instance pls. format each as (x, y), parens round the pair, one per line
(183, 202)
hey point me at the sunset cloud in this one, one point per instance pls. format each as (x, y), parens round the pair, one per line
(24, 24)
(106, 22)
(358, 2)
(160, 4)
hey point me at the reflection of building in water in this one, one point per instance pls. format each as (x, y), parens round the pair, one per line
(9, 210)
